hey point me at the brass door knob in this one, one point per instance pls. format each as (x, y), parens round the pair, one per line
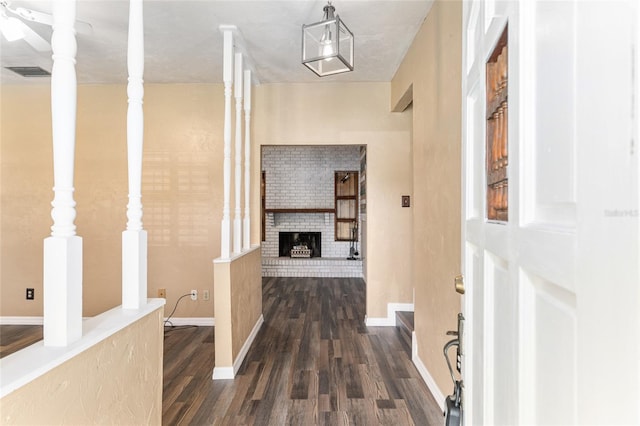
(459, 284)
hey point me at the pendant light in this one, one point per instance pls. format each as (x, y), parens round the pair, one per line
(327, 46)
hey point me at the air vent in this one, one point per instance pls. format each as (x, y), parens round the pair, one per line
(30, 71)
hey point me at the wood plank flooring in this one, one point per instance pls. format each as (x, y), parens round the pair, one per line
(15, 337)
(312, 363)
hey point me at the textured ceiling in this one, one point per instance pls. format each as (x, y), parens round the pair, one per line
(183, 43)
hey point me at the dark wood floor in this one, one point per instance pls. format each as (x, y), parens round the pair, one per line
(313, 362)
(15, 337)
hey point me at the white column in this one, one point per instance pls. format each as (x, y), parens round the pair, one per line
(246, 231)
(63, 249)
(227, 77)
(237, 219)
(134, 239)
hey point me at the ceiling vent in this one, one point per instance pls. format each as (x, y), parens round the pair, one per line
(30, 71)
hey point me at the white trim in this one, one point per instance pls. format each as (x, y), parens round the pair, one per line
(27, 320)
(26, 365)
(390, 320)
(223, 373)
(428, 379)
(21, 320)
(247, 344)
(226, 373)
(378, 322)
(235, 256)
(199, 321)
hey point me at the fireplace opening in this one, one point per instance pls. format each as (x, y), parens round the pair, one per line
(300, 244)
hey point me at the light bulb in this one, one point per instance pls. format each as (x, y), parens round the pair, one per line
(327, 49)
(326, 45)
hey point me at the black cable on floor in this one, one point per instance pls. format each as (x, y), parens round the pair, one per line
(174, 309)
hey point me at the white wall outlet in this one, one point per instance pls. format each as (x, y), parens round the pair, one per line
(194, 294)
(205, 295)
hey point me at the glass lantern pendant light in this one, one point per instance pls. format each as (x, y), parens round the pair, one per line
(327, 46)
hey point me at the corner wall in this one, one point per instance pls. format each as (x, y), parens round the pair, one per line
(238, 304)
(432, 71)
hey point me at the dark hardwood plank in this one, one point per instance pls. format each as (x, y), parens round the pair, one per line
(16, 337)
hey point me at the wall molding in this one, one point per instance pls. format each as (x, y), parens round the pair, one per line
(223, 373)
(226, 373)
(198, 321)
(424, 373)
(21, 320)
(390, 319)
(247, 344)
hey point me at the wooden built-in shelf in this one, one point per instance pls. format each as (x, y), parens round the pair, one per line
(497, 133)
(300, 210)
(346, 202)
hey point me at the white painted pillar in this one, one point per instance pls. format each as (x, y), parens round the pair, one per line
(237, 219)
(227, 77)
(134, 239)
(246, 231)
(63, 249)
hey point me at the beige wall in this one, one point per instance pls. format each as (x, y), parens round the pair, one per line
(117, 381)
(238, 302)
(356, 114)
(432, 69)
(182, 199)
(182, 184)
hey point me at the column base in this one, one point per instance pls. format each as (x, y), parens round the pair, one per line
(134, 269)
(62, 290)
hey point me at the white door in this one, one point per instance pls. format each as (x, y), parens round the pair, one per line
(553, 294)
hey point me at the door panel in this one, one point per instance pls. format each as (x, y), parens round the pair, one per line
(475, 157)
(551, 338)
(548, 140)
(553, 294)
(475, 293)
(505, 383)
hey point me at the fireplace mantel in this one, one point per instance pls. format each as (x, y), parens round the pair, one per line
(279, 214)
(300, 210)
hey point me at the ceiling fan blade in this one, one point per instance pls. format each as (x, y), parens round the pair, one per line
(47, 19)
(33, 15)
(35, 40)
(84, 28)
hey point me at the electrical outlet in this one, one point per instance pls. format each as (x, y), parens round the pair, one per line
(162, 292)
(205, 295)
(31, 294)
(194, 294)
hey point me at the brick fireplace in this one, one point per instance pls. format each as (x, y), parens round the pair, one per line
(299, 193)
(289, 242)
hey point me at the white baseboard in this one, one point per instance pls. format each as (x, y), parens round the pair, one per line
(377, 322)
(225, 373)
(247, 344)
(390, 319)
(428, 379)
(21, 320)
(199, 321)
